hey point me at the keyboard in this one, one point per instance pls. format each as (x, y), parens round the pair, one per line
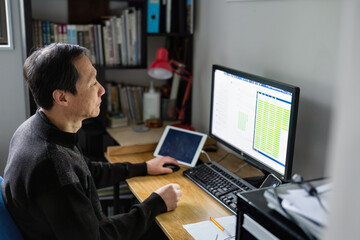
(219, 183)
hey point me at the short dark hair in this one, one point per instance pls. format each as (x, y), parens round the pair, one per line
(51, 68)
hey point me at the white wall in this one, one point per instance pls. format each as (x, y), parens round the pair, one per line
(293, 41)
(12, 90)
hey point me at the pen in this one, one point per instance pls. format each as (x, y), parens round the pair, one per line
(219, 226)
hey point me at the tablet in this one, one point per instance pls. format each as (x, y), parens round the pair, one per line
(183, 145)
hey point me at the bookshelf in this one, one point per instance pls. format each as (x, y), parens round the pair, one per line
(94, 138)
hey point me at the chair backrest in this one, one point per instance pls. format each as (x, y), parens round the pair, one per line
(8, 228)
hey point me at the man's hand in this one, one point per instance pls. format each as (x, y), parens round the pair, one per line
(155, 165)
(171, 194)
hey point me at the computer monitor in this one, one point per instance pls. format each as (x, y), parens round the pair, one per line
(255, 117)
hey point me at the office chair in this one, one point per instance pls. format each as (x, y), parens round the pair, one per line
(8, 228)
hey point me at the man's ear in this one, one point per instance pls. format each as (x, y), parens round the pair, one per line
(60, 97)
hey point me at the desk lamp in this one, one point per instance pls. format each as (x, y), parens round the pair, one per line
(162, 68)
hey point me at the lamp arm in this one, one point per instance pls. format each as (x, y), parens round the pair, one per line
(180, 70)
(186, 97)
(179, 67)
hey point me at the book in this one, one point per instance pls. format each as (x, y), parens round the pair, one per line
(110, 44)
(118, 120)
(96, 45)
(138, 28)
(99, 45)
(46, 38)
(71, 34)
(153, 16)
(37, 34)
(123, 101)
(127, 36)
(114, 99)
(119, 39)
(106, 45)
(91, 29)
(138, 96)
(114, 34)
(124, 45)
(131, 104)
(190, 16)
(87, 41)
(132, 36)
(52, 32)
(168, 16)
(62, 32)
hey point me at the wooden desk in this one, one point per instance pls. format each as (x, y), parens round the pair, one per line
(195, 205)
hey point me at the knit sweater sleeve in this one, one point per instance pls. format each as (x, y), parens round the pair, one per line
(106, 174)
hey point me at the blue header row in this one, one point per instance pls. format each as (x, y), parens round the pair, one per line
(258, 83)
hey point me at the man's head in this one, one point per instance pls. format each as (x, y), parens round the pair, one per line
(51, 68)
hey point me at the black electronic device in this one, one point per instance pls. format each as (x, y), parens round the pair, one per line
(173, 167)
(255, 117)
(270, 181)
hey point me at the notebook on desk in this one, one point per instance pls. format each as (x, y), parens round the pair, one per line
(183, 145)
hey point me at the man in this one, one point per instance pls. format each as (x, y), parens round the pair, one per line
(49, 187)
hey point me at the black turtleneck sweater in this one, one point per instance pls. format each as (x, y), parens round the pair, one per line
(49, 188)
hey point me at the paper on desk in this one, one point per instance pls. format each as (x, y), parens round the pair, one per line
(300, 202)
(207, 230)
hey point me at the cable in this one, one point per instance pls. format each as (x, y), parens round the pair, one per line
(221, 159)
(321, 203)
(241, 166)
(207, 155)
(297, 178)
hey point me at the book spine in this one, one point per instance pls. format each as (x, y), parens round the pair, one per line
(190, 16)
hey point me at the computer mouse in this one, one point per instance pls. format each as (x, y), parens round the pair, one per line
(172, 166)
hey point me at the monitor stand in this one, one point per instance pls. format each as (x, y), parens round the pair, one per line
(268, 180)
(255, 181)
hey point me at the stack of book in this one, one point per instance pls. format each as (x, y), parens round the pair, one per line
(115, 41)
(125, 101)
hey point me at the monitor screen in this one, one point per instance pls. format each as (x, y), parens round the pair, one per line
(255, 117)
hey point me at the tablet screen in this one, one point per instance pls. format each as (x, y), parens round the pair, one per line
(183, 145)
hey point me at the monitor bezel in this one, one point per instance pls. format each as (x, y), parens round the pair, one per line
(292, 125)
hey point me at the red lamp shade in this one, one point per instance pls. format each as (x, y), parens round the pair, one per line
(161, 68)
